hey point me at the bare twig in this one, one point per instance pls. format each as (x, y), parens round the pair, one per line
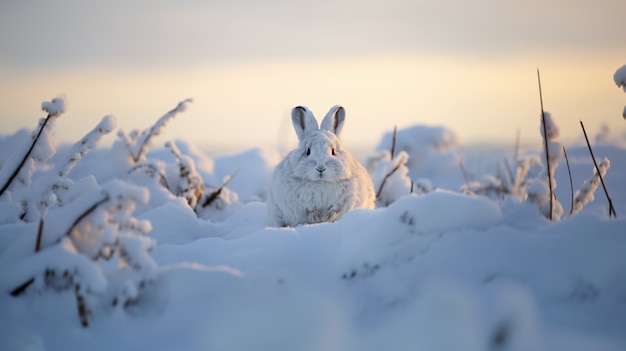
(26, 156)
(216, 192)
(412, 186)
(545, 141)
(155, 170)
(393, 141)
(20, 289)
(39, 230)
(86, 213)
(571, 184)
(611, 208)
(156, 129)
(83, 311)
(382, 184)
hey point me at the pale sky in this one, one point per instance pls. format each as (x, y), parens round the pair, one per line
(467, 65)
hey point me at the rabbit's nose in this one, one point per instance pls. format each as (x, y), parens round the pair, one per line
(320, 169)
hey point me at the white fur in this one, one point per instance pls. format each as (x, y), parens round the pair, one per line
(318, 186)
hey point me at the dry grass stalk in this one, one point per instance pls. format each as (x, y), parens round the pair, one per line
(26, 156)
(545, 141)
(216, 192)
(393, 141)
(606, 192)
(39, 230)
(571, 184)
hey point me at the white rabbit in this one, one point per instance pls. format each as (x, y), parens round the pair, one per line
(319, 181)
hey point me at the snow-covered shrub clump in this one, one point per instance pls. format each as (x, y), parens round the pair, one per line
(431, 150)
(87, 241)
(390, 177)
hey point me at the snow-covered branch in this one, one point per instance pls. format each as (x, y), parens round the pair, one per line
(21, 163)
(139, 143)
(586, 194)
(88, 142)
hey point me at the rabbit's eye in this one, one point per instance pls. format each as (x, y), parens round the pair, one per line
(332, 151)
(308, 151)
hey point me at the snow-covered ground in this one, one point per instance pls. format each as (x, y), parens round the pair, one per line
(142, 249)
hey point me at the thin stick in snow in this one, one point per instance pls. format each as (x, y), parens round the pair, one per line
(571, 184)
(393, 141)
(39, 230)
(86, 213)
(382, 184)
(26, 156)
(606, 192)
(216, 192)
(146, 135)
(545, 141)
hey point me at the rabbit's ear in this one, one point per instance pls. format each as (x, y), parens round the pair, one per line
(303, 121)
(334, 120)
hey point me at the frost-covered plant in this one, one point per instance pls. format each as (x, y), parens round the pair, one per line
(87, 143)
(620, 79)
(88, 242)
(138, 143)
(586, 194)
(391, 178)
(215, 201)
(190, 184)
(80, 239)
(514, 183)
(540, 191)
(17, 171)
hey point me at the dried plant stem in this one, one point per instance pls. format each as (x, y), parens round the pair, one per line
(571, 184)
(606, 192)
(154, 169)
(20, 289)
(382, 184)
(216, 192)
(86, 213)
(393, 141)
(26, 156)
(83, 311)
(545, 142)
(39, 230)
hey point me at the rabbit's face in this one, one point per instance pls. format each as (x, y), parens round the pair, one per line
(321, 158)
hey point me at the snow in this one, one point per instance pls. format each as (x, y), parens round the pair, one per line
(435, 266)
(57, 106)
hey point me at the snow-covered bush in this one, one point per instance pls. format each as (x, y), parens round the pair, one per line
(431, 150)
(139, 142)
(88, 242)
(17, 171)
(391, 178)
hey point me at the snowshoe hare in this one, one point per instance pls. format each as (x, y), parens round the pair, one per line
(319, 181)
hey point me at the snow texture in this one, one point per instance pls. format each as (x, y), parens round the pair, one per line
(57, 106)
(126, 262)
